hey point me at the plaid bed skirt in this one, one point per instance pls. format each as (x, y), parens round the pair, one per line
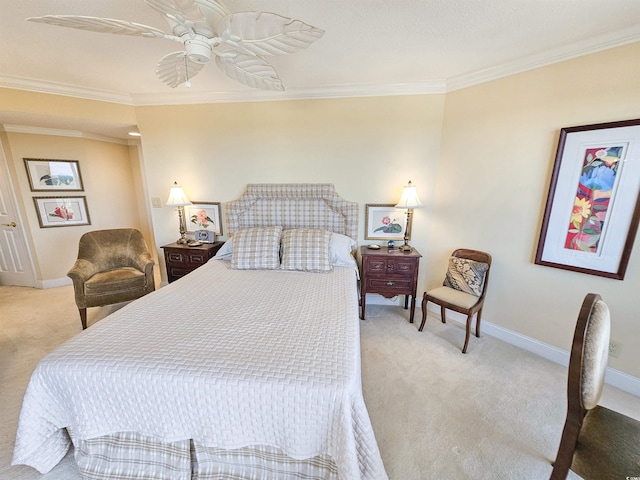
(131, 456)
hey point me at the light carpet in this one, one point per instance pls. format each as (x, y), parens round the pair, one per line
(495, 413)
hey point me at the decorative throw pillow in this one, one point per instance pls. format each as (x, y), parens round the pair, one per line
(306, 250)
(256, 248)
(466, 275)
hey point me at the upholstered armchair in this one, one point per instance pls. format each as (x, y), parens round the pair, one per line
(113, 266)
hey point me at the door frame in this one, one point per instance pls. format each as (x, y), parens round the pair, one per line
(30, 270)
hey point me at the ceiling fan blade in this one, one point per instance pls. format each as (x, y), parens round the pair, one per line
(184, 16)
(214, 11)
(176, 68)
(102, 25)
(263, 33)
(250, 70)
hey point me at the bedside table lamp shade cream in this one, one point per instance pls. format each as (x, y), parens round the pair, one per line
(178, 199)
(409, 200)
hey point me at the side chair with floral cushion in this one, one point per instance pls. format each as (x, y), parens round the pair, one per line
(463, 289)
(113, 266)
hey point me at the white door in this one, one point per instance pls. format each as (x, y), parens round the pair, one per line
(16, 267)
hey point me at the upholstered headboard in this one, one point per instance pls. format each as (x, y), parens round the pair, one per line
(293, 205)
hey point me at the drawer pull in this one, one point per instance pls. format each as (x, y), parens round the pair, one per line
(389, 284)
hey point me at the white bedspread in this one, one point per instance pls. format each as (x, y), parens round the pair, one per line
(228, 358)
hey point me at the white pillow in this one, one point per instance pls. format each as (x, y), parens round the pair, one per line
(225, 251)
(340, 250)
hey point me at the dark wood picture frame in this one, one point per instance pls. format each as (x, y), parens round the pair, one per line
(593, 206)
(49, 175)
(67, 211)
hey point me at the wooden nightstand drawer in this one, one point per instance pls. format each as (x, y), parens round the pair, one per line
(390, 265)
(181, 259)
(376, 285)
(197, 258)
(176, 257)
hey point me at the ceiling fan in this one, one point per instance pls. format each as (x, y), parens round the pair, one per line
(205, 28)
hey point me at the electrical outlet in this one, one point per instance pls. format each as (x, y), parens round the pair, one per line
(615, 348)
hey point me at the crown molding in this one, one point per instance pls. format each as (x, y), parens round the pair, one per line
(59, 132)
(66, 90)
(341, 91)
(564, 53)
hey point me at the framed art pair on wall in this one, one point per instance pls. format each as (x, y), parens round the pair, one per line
(47, 175)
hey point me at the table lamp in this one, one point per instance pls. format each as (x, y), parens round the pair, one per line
(409, 200)
(178, 199)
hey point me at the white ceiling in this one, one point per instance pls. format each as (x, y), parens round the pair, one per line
(370, 47)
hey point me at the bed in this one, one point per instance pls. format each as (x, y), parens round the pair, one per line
(248, 367)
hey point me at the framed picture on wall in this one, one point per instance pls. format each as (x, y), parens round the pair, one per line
(384, 222)
(62, 211)
(203, 216)
(53, 175)
(593, 206)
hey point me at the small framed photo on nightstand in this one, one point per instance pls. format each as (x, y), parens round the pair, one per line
(204, 216)
(384, 222)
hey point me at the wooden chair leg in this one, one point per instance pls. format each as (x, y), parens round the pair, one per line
(443, 315)
(568, 443)
(83, 317)
(424, 312)
(478, 323)
(466, 339)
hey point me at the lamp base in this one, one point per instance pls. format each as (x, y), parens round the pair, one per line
(182, 240)
(405, 248)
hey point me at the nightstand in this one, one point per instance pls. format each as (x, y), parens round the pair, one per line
(389, 272)
(181, 259)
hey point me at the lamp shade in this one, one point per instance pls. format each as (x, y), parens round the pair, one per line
(409, 198)
(177, 197)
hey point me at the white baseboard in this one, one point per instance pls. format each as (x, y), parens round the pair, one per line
(56, 282)
(615, 378)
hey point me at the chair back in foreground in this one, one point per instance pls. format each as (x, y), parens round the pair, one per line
(596, 443)
(463, 290)
(113, 266)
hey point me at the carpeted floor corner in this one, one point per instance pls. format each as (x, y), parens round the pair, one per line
(495, 413)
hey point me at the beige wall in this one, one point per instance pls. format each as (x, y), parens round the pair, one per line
(112, 196)
(498, 150)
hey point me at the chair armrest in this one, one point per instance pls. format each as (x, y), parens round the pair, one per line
(145, 263)
(82, 270)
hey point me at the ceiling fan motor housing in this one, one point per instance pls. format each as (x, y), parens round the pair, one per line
(198, 48)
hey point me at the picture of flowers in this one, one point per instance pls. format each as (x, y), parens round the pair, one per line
(203, 216)
(62, 211)
(593, 196)
(593, 206)
(384, 222)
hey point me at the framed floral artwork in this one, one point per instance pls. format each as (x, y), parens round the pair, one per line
(203, 216)
(53, 175)
(384, 222)
(593, 206)
(62, 211)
